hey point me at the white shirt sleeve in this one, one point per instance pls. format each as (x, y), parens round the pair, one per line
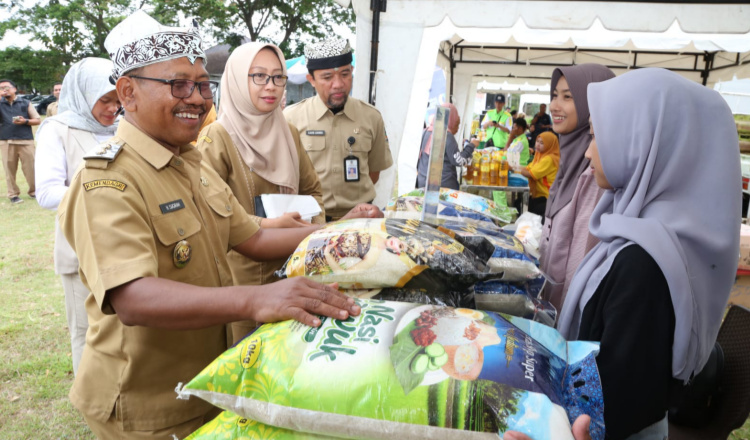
(50, 167)
(508, 123)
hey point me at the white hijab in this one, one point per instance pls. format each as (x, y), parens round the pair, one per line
(84, 84)
(669, 148)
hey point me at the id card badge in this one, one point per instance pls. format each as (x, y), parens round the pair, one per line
(351, 169)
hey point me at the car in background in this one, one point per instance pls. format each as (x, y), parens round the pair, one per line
(42, 101)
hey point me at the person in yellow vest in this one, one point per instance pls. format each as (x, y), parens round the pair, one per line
(498, 123)
(151, 225)
(517, 143)
(344, 137)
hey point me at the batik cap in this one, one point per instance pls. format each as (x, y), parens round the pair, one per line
(328, 54)
(139, 40)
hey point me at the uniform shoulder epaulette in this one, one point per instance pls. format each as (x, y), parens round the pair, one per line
(368, 105)
(105, 151)
(298, 104)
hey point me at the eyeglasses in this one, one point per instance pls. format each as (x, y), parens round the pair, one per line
(183, 88)
(261, 79)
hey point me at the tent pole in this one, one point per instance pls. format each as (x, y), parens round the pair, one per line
(708, 60)
(376, 6)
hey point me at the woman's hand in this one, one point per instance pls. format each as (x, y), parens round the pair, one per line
(580, 430)
(288, 220)
(363, 210)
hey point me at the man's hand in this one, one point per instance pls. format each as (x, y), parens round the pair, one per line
(580, 430)
(288, 220)
(301, 299)
(19, 120)
(363, 210)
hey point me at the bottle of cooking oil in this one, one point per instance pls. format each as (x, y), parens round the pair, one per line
(504, 168)
(484, 165)
(469, 177)
(476, 158)
(494, 167)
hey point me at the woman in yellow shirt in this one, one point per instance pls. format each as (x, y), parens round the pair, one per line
(541, 171)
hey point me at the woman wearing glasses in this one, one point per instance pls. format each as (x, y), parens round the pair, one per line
(256, 152)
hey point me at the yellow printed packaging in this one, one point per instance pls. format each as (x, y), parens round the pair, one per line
(378, 253)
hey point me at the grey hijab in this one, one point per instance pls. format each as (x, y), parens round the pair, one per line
(669, 148)
(83, 85)
(574, 144)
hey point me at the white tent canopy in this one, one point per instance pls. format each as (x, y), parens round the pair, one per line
(521, 42)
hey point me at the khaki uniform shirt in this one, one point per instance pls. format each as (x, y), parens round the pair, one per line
(52, 109)
(124, 218)
(324, 137)
(218, 150)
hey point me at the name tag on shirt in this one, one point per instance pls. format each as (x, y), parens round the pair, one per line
(315, 132)
(172, 206)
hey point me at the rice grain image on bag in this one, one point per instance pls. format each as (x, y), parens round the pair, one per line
(408, 371)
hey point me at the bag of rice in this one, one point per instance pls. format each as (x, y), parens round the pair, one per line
(453, 203)
(230, 426)
(509, 258)
(419, 296)
(497, 296)
(409, 371)
(410, 207)
(377, 253)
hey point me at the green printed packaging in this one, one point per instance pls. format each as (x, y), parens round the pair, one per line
(230, 426)
(409, 371)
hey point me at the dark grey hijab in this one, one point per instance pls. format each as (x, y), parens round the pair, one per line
(574, 144)
(674, 165)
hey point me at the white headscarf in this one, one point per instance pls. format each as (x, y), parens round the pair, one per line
(84, 84)
(669, 148)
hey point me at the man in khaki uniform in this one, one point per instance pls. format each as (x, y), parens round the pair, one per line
(344, 137)
(17, 115)
(151, 226)
(52, 107)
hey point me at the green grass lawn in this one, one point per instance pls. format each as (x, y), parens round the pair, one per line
(35, 366)
(36, 370)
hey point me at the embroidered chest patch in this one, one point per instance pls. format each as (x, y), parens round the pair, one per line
(105, 183)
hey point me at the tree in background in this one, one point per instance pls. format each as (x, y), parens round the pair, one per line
(31, 70)
(68, 30)
(73, 29)
(286, 23)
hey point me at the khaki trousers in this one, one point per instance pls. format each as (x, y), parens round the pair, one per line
(78, 321)
(12, 153)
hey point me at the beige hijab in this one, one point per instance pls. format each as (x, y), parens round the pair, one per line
(264, 140)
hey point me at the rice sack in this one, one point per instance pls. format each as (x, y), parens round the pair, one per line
(410, 207)
(498, 213)
(377, 253)
(230, 426)
(409, 371)
(420, 296)
(509, 258)
(515, 300)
